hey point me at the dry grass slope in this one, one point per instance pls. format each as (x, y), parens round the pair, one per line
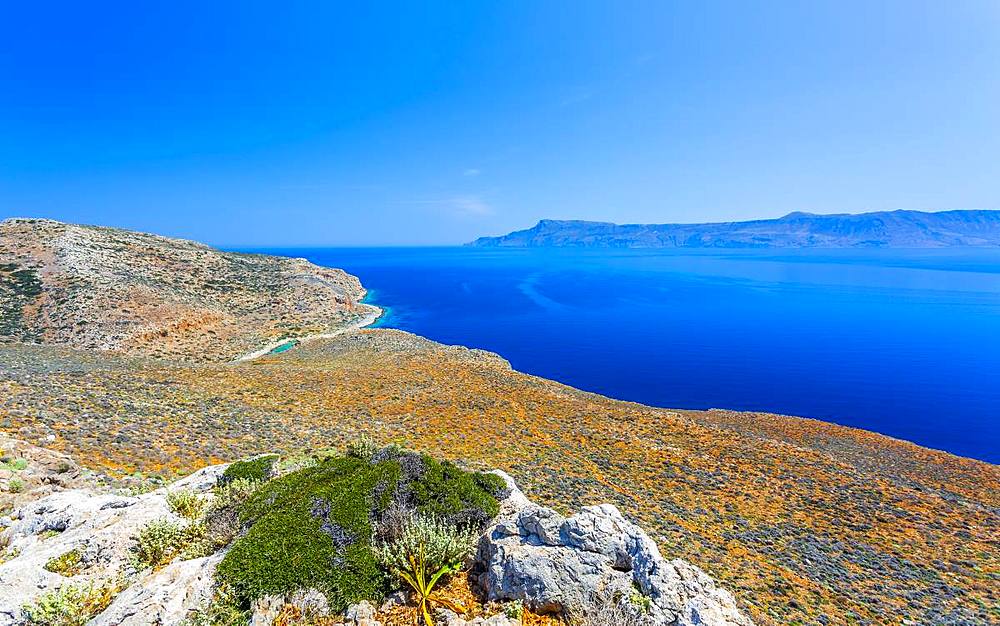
(805, 521)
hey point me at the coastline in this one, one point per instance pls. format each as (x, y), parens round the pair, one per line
(364, 321)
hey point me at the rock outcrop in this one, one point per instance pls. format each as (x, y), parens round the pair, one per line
(591, 562)
(99, 528)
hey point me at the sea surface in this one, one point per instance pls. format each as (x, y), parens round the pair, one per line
(905, 343)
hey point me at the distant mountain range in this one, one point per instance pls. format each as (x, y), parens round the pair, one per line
(883, 229)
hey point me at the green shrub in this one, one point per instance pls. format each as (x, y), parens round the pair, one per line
(66, 564)
(71, 605)
(15, 485)
(160, 541)
(186, 503)
(314, 527)
(258, 469)
(446, 491)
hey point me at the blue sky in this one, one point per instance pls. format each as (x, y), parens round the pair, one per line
(322, 123)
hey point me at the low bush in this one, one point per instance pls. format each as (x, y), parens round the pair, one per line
(257, 469)
(363, 448)
(14, 465)
(160, 541)
(222, 519)
(186, 503)
(71, 605)
(315, 527)
(441, 545)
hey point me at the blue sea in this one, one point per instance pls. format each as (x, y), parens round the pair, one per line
(905, 343)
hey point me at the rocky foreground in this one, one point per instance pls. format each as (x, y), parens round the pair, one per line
(84, 554)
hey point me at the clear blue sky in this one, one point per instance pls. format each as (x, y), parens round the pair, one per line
(251, 123)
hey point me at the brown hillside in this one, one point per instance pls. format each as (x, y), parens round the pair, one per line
(108, 289)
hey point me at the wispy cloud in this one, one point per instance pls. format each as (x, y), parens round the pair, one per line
(461, 206)
(471, 205)
(471, 172)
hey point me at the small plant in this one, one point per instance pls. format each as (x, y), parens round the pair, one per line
(160, 541)
(71, 605)
(614, 609)
(425, 552)
(47, 534)
(14, 465)
(641, 601)
(186, 504)
(514, 609)
(66, 564)
(363, 448)
(15, 485)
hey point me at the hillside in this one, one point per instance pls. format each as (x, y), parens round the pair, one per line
(886, 229)
(804, 521)
(108, 289)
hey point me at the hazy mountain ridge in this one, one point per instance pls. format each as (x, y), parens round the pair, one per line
(883, 229)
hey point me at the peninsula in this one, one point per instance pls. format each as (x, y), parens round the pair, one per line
(885, 229)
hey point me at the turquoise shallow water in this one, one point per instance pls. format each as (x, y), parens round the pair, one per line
(906, 343)
(288, 345)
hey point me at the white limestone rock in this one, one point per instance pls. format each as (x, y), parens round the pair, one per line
(575, 564)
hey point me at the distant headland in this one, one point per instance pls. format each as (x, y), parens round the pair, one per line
(883, 229)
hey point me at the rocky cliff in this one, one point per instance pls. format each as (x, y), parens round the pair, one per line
(107, 289)
(886, 229)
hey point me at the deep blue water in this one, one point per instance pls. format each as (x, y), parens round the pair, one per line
(905, 343)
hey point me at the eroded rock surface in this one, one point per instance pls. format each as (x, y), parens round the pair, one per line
(595, 558)
(100, 527)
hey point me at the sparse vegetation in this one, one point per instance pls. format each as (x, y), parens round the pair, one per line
(66, 564)
(222, 520)
(14, 465)
(160, 541)
(224, 609)
(187, 504)
(72, 605)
